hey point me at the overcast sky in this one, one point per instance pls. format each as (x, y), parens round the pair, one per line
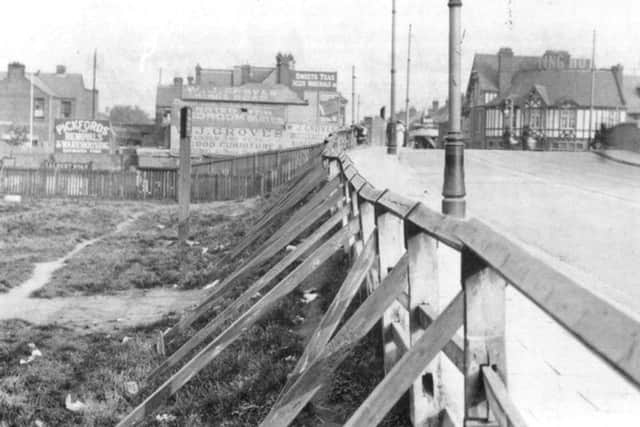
(136, 38)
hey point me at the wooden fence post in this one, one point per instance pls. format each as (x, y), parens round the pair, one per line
(484, 334)
(184, 192)
(391, 248)
(367, 227)
(425, 397)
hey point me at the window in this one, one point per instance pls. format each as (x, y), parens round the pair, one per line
(38, 108)
(567, 119)
(489, 96)
(535, 118)
(66, 109)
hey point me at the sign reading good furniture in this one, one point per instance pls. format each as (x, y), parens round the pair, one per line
(83, 136)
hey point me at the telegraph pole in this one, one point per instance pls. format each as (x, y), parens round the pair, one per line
(593, 83)
(353, 94)
(453, 191)
(406, 103)
(184, 174)
(358, 110)
(392, 148)
(93, 92)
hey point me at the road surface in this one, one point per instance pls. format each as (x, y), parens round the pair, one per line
(576, 211)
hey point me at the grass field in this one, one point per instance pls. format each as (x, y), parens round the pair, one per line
(237, 389)
(43, 230)
(147, 255)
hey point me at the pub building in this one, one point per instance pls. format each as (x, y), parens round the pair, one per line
(543, 103)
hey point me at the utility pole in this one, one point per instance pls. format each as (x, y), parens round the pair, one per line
(184, 174)
(406, 103)
(160, 76)
(593, 84)
(453, 191)
(31, 109)
(93, 92)
(358, 110)
(353, 95)
(392, 148)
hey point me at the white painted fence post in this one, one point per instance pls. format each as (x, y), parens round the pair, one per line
(484, 340)
(425, 399)
(391, 248)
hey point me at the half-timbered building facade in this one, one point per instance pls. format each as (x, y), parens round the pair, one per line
(553, 102)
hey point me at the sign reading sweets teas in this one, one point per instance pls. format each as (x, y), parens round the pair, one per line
(83, 136)
(314, 80)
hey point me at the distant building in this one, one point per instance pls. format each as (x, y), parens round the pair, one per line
(249, 109)
(632, 97)
(58, 95)
(547, 97)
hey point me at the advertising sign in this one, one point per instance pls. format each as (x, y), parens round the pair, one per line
(82, 136)
(235, 129)
(314, 80)
(236, 94)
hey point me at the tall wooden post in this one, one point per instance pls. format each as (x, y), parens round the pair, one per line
(391, 249)
(425, 399)
(184, 192)
(453, 192)
(392, 148)
(484, 334)
(367, 228)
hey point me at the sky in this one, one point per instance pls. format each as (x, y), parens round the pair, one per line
(135, 39)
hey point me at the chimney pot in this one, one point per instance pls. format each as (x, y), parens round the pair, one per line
(15, 70)
(177, 81)
(190, 80)
(61, 69)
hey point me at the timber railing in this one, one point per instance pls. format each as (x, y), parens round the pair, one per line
(393, 244)
(416, 329)
(235, 178)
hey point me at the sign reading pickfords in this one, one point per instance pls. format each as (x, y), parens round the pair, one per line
(83, 136)
(314, 80)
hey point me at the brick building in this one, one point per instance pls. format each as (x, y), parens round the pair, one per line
(546, 98)
(249, 108)
(58, 95)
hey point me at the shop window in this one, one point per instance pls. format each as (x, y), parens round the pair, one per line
(567, 119)
(535, 119)
(38, 108)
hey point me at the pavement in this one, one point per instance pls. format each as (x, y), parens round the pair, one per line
(621, 156)
(580, 213)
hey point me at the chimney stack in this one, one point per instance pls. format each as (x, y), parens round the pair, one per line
(190, 80)
(61, 69)
(177, 81)
(435, 105)
(15, 70)
(284, 63)
(505, 69)
(245, 73)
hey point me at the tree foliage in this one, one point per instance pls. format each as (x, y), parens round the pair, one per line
(129, 114)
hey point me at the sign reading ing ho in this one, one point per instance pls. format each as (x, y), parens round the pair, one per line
(83, 136)
(314, 80)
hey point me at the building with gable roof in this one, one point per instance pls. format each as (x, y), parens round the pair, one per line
(249, 108)
(545, 100)
(56, 95)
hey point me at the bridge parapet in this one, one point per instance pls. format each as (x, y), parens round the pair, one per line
(415, 330)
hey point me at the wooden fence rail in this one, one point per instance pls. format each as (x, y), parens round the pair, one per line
(221, 180)
(393, 243)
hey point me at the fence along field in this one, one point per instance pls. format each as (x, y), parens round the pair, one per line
(227, 179)
(393, 242)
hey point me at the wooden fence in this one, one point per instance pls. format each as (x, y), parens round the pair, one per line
(221, 180)
(393, 243)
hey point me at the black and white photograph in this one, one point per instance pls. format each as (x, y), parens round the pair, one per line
(320, 213)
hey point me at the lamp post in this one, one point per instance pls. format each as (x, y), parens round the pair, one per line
(453, 191)
(392, 148)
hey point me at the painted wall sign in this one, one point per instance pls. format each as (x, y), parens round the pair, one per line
(241, 128)
(240, 94)
(314, 80)
(83, 136)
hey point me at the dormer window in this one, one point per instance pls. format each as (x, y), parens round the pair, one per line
(38, 108)
(490, 96)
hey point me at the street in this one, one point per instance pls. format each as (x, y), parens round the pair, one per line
(575, 211)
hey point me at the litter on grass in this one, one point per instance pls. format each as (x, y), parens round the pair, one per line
(309, 296)
(131, 388)
(126, 340)
(165, 418)
(212, 284)
(35, 352)
(291, 248)
(76, 406)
